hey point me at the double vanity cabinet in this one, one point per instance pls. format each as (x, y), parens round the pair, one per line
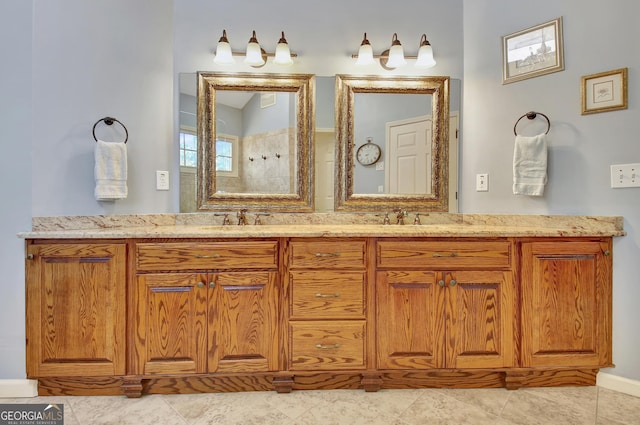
(282, 308)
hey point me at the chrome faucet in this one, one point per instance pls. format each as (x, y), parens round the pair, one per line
(242, 217)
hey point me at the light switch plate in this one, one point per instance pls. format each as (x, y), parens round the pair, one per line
(162, 180)
(625, 175)
(482, 182)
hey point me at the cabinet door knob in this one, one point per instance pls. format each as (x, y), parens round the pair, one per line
(441, 283)
(453, 282)
(200, 284)
(212, 284)
(607, 253)
(29, 256)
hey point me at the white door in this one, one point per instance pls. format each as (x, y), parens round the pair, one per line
(408, 156)
(324, 168)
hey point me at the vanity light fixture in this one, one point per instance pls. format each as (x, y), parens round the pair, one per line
(425, 54)
(223, 50)
(283, 54)
(254, 52)
(254, 56)
(365, 54)
(395, 53)
(394, 56)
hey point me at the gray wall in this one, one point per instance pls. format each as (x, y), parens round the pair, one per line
(73, 62)
(597, 38)
(15, 178)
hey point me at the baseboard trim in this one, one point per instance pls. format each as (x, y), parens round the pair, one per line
(10, 388)
(618, 383)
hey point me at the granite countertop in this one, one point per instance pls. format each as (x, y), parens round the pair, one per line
(207, 225)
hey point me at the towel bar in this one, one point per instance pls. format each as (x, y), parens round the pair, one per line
(110, 121)
(532, 115)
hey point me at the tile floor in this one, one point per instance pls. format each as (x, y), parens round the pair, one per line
(553, 406)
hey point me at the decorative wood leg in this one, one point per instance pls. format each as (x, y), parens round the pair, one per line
(283, 383)
(371, 381)
(132, 386)
(514, 380)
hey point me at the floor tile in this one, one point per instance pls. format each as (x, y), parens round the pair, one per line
(548, 408)
(103, 410)
(492, 400)
(435, 408)
(617, 408)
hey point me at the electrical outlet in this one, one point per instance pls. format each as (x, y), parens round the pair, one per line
(625, 175)
(162, 180)
(380, 166)
(482, 182)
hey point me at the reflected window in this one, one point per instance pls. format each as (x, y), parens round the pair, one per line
(227, 155)
(188, 148)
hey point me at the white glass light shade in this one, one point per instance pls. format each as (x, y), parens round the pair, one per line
(396, 56)
(283, 54)
(223, 51)
(425, 54)
(254, 52)
(365, 54)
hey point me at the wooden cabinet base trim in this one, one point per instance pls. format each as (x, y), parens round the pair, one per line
(370, 381)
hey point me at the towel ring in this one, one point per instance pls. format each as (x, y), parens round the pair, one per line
(110, 121)
(532, 115)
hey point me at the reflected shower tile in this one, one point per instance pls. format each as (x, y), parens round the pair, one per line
(615, 407)
(147, 410)
(491, 400)
(537, 408)
(434, 408)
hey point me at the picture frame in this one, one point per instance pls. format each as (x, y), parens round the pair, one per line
(605, 91)
(533, 52)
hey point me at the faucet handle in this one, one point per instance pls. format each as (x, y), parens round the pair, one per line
(225, 221)
(257, 221)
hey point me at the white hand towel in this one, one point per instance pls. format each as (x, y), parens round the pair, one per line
(110, 171)
(530, 165)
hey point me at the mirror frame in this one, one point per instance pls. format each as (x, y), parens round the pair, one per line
(303, 85)
(347, 86)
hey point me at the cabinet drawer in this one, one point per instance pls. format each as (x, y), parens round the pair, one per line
(207, 255)
(327, 345)
(327, 254)
(444, 254)
(323, 294)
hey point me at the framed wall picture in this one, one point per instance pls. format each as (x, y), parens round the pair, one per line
(533, 52)
(606, 91)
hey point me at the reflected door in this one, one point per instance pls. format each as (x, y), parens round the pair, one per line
(409, 156)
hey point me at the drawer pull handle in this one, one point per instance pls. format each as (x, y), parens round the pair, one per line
(437, 254)
(327, 347)
(453, 282)
(319, 295)
(331, 254)
(208, 256)
(441, 283)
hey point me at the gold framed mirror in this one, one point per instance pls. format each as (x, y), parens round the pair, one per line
(418, 181)
(255, 166)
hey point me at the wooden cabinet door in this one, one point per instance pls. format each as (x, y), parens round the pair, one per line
(76, 309)
(410, 320)
(243, 313)
(480, 319)
(171, 323)
(566, 303)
